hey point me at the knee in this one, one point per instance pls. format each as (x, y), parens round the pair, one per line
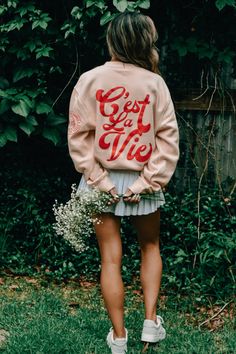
(111, 259)
(150, 247)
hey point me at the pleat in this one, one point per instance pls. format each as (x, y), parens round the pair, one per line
(122, 180)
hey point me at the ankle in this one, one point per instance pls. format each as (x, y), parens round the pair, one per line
(152, 317)
(120, 334)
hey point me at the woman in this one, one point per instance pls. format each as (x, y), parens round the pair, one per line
(123, 137)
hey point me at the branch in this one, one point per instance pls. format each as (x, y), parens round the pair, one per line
(213, 93)
(215, 315)
(199, 189)
(72, 76)
(195, 133)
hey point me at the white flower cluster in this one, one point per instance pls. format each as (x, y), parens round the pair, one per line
(74, 220)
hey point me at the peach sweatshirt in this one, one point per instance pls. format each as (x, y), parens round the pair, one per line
(122, 117)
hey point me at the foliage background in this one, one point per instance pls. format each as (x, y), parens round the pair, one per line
(44, 47)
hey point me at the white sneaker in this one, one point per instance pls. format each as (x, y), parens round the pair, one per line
(118, 345)
(153, 332)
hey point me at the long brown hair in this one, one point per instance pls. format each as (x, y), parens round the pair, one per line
(131, 38)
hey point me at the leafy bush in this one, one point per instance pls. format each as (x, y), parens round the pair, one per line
(44, 48)
(199, 246)
(34, 74)
(199, 255)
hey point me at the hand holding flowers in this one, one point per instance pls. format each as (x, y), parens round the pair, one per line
(75, 219)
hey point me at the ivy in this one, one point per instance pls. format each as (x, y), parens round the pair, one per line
(106, 17)
(23, 72)
(44, 49)
(121, 5)
(51, 134)
(11, 133)
(21, 108)
(220, 4)
(143, 4)
(43, 108)
(28, 125)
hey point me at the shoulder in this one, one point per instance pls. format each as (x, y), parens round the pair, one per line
(89, 76)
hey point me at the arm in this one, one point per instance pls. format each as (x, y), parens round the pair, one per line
(81, 132)
(162, 163)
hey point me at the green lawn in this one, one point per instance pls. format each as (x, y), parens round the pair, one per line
(48, 318)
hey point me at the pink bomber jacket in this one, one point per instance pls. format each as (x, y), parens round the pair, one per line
(121, 116)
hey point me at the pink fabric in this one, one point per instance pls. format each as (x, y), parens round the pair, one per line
(122, 117)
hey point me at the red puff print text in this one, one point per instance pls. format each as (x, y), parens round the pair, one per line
(119, 120)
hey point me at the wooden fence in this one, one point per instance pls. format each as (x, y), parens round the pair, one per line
(207, 124)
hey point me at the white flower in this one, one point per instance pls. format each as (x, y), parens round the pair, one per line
(74, 219)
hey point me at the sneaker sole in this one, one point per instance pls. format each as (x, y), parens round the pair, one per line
(151, 338)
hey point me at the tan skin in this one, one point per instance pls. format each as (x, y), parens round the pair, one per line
(110, 246)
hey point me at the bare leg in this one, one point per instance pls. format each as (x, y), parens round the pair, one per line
(148, 229)
(112, 287)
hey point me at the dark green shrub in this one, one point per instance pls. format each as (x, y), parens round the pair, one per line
(199, 249)
(199, 256)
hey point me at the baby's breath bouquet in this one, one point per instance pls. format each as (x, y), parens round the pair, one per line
(74, 219)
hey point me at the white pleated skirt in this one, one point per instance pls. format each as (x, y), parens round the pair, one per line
(122, 180)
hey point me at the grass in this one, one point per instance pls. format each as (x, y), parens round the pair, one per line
(70, 318)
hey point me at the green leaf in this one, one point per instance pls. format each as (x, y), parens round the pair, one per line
(69, 28)
(21, 73)
(17, 23)
(89, 3)
(144, 4)
(4, 105)
(32, 120)
(43, 108)
(132, 6)
(10, 133)
(101, 5)
(39, 23)
(21, 108)
(121, 5)
(31, 45)
(2, 9)
(91, 12)
(12, 3)
(3, 140)
(76, 12)
(220, 4)
(54, 119)
(106, 17)
(206, 52)
(27, 127)
(51, 134)
(43, 51)
(226, 56)
(26, 99)
(4, 83)
(7, 93)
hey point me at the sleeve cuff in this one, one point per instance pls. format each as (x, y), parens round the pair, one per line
(142, 186)
(104, 185)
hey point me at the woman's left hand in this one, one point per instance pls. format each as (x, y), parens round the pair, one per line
(115, 197)
(129, 197)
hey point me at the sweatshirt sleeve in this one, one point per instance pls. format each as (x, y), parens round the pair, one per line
(162, 163)
(81, 135)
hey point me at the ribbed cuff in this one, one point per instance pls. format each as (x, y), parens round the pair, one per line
(141, 186)
(104, 185)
